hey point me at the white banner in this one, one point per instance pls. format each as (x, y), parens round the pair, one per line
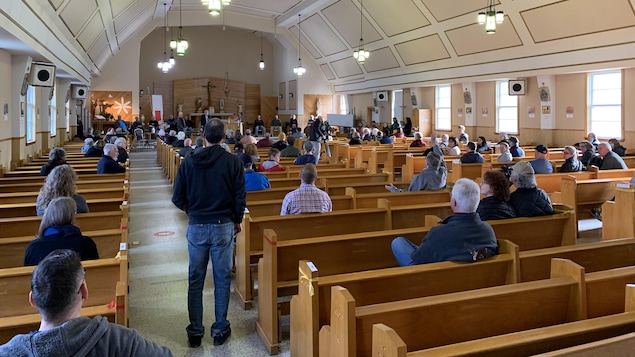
(157, 106)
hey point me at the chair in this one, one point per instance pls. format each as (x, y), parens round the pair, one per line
(140, 139)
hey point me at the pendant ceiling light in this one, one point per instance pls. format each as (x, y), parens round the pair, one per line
(299, 70)
(166, 64)
(180, 45)
(214, 6)
(360, 54)
(490, 18)
(261, 64)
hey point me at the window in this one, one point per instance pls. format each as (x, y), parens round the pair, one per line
(67, 114)
(343, 106)
(30, 114)
(507, 109)
(444, 108)
(397, 101)
(53, 109)
(605, 104)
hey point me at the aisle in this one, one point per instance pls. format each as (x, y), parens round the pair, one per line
(158, 273)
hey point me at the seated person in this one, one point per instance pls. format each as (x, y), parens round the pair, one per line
(471, 156)
(384, 139)
(58, 290)
(259, 126)
(590, 137)
(445, 140)
(355, 139)
(463, 137)
(609, 160)
(137, 124)
(452, 149)
(481, 144)
(57, 157)
(153, 123)
(495, 204)
(88, 143)
(273, 164)
(266, 142)
(366, 134)
(171, 138)
(296, 132)
(588, 152)
(276, 124)
(187, 147)
(462, 237)
(290, 150)
(58, 232)
(122, 146)
(96, 150)
(61, 182)
(108, 162)
(229, 137)
(120, 124)
(252, 150)
(254, 181)
(514, 149)
(571, 162)
(281, 144)
(617, 147)
(248, 138)
(431, 179)
(308, 157)
(540, 164)
(238, 149)
(505, 155)
(179, 142)
(528, 200)
(417, 142)
(307, 198)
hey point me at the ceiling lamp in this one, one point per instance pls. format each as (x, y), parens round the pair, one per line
(214, 6)
(299, 70)
(166, 64)
(490, 18)
(181, 44)
(261, 64)
(360, 54)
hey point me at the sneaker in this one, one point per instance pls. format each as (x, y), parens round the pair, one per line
(222, 337)
(597, 214)
(194, 341)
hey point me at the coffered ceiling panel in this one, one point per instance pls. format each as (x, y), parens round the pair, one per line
(381, 59)
(446, 9)
(127, 32)
(76, 13)
(472, 39)
(328, 73)
(98, 48)
(346, 67)
(133, 15)
(396, 16)
(305, 43)
(339, 15)
(422, 50)
(322, 35)
(56, 3)
(93, 28)
(555, 21)
(120, 5)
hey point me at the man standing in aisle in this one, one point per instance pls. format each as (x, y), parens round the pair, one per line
(214, 220)
(316, 137)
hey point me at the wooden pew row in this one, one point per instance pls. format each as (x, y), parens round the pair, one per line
(35, 185)
(323, 170)
(583, 195)
(87, 177)
(108, 245)
(9, 210)
(76, 166)
(610, 334)
(378, 159)
(569, 295)
(334, 180)
(33, 172)
(107, 281)
(310, 308)
(618, 216)
(121, 192)
(332, 190)
(358, 252)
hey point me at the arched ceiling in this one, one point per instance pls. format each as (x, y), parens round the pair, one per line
(411, 41)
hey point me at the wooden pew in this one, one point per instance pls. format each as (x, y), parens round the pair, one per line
(81, 178)
(619, 345)
(21, 226)
(120, 192)
(28, 209)
(321, 180)
(369, 200)
(36, 185)
(310, 309)
(36, 172)
(460, 170)
(105, 295)
(273, 207)
(108, 245)
(361, 188)
(618, 216)
(583, 195)
(529, 342)
(452, 318)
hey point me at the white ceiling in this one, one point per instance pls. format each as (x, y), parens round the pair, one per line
(409, 40)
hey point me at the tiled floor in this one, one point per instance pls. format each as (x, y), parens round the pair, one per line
(158, 273)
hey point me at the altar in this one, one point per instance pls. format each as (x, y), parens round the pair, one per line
(230, 120)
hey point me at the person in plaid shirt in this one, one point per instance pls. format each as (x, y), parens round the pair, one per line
(307, 198)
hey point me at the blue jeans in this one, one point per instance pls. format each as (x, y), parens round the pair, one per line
(204, 240)
(317, 147)
(259, 129)
(402, 249)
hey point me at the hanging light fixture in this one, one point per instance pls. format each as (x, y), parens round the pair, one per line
(181, 44)
(490, 18)
(360, 54)
(299, 70)
(261, 64)
(166, 64)
(214, 6)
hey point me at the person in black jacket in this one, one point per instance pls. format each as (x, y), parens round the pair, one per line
(108, 162)
(495, 205)
(316, 137)
(96, 150)
(214, 220)
(528, 200)
(57, 157)
(571, 162)
(58, 232)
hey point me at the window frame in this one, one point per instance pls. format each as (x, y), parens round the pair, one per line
(53, 112)
(590, 98)
(500, 98)
(439, 107)
(30, 115)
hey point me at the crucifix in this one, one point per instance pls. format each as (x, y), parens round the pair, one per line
(209, 87)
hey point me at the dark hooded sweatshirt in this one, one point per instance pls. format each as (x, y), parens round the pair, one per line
(210, 186)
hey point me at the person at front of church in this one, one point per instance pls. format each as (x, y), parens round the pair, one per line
(108, 163)
(276, 124)
(571, 162)
(514, 149)
(273, 164)
(290, 150)
(254, 181)
(395, 127)
(540, 164)
(137, 124)
(471, 156)
(119, 123)
(259, 126)
(462, 237)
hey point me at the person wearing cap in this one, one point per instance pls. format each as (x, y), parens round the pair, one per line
(461, 237)
(505, 155)
(308, 157)
(609, 159)
(254, 181)
(471, 156)
(514, 149)
(307, 198)
(528, 200)
(571, 162)
(540, 164)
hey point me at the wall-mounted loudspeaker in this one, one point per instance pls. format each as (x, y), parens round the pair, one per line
(382, 96)
(516, 87)
(79, 92)
(42, 75)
